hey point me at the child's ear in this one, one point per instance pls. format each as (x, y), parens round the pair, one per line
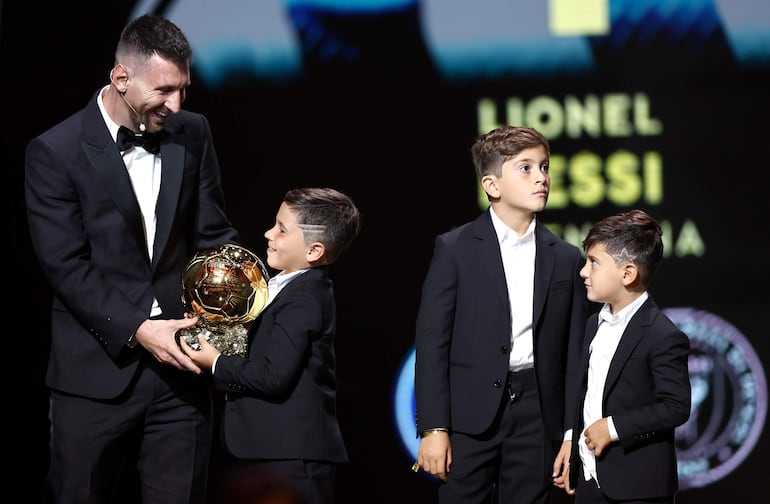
(315, 252)
(489, 183)
(630, 273)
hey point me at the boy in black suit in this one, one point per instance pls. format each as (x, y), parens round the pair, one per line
(279, 418)
(635, 385)
(498, 336)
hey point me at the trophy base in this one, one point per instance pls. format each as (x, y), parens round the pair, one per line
(230, 339)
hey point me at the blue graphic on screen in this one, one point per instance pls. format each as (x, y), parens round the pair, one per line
(282, 40)
(494, 38)
(404, 405)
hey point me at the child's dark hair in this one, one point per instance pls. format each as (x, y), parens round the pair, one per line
(325, 215)
(493, 149)
(630, 237)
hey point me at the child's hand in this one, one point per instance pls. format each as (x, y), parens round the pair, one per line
(434, 455)
(560, 473)
(598, 436)
(204, 357)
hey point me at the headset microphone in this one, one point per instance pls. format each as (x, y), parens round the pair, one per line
(141, 123)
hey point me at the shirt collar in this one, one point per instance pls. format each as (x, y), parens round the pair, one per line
(280, 280)
(624, 315)
(508, 235)
(111, 125)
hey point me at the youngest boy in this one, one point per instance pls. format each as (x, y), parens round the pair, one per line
(635, 386)
(279, 420)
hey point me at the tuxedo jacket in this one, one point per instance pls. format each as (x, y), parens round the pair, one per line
(463, 330)
(87, 230)
(281, 398)
(647, 393)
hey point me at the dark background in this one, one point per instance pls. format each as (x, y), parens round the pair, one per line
(389, 131)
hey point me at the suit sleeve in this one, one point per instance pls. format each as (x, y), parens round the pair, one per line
(212, 224)
(577, 330)
(669, 406)
(432, 340)
(280, 352)
(61, 240)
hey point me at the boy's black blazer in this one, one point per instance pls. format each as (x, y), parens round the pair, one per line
(647, 393)
(464, 330)
(281, 399)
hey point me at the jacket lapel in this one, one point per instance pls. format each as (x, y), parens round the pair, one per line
(545, 261)
(172, 153)
(631, 337)
(488, 253)
(108, 166)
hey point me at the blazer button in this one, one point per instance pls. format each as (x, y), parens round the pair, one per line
(504, 350)
(498, 383)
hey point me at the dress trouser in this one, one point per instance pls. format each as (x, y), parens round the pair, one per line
(153, 440)
(511, 462)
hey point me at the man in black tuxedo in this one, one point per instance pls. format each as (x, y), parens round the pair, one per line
(498, 334)
(119, 197)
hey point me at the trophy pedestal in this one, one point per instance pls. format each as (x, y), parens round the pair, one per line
(230, 339)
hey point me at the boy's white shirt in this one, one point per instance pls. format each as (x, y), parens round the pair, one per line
(274, 286)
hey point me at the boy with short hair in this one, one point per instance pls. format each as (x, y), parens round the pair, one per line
(279, 417)
(635, 386)
(498, 336)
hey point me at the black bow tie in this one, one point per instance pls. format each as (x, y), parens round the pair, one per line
(128, 139)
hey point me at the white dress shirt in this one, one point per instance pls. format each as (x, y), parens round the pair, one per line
(278, 282)
(144, 170)
(518, 254)
(601, 352)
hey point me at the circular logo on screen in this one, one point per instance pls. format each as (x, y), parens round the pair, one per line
(729, 399)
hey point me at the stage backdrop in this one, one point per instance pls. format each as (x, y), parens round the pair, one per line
(650, 104)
